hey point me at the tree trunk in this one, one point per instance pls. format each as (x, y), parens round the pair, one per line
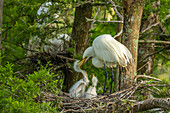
(80, 36)
(133, 10)
(1, 15)
(81, 27)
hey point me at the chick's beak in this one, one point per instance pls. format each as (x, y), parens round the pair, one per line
(93, 75)
(82, 62)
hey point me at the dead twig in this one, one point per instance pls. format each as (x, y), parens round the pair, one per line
(101, 103)
(153, 53)
(154, 41)
(101, 21)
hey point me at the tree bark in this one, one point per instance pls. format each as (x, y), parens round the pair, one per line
(133, 10)
(81, 26)
(80, 33)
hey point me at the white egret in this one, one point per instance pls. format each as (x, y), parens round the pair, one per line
(106, 51)
(54, 42)
(91, 92)
(78, 89)
(57, 44)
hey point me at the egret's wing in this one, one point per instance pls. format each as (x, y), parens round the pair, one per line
(96, 62)
(127, 54)
(91, 92)
(80, 88)
(110, 50)
(76, 85)
(105, 49)
(89, 89)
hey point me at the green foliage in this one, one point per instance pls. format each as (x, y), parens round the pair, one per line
(19, 93)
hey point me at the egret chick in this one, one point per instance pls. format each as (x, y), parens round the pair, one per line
(78, 89)
(91, 92)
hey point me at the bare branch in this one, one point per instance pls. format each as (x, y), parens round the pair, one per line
(153, 53)
(9, 92)
(91, 26)
(76, 5)
(144, 76)
(120, 16)
(148, 28)
(142, 66)
(154, 41)
(118, 34)
(152, 103)
(92, 20)
(164, 56)
(156, 85)
(115, 9)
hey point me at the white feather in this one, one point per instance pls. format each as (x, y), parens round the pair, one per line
(78, 89)
(91, 92)
(105, 49)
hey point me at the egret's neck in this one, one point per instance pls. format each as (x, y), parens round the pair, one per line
(89, 52)
(85, 75)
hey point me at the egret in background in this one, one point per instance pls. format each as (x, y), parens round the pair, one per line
(57, 44)
(91, 92)
(106, 51)
(78, 89)
(54, 42)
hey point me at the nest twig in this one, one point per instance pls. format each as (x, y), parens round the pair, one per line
(99, 103)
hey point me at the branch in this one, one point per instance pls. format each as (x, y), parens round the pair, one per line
(153, 25)
(92, 20)
(118, 34)
(9, 92)
(164, 56)
(142, 66)
(67, 58)
(145, 76)
(76, 5)
(150, 27)
(153, 53)
(156, 85)
(152, 103)
(154, 41)
(107, 102)
(91, 26)
(120, 16)
(115, 9)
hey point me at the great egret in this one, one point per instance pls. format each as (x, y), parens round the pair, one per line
(91, 92)
(106, 51)
(57, 44)
(78, 89)
(54, 42)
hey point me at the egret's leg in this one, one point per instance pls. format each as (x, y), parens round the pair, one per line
(111, 81)
(105, 78)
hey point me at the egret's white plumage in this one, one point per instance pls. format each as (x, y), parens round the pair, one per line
(105, 49)
(57, 44)
(91, 92)
(78, 89)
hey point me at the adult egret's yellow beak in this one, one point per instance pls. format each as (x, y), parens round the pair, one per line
(81, 62)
